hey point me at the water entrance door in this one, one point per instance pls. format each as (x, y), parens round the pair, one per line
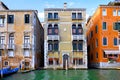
(65, 61)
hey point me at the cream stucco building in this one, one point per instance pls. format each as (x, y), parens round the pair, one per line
(21, 38)
(65, 41)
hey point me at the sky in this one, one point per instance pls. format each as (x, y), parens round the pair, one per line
(90, 5)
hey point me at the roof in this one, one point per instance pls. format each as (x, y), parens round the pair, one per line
(62, 9)
(3, 5)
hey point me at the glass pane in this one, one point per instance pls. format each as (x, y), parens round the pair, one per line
(74, 46)
(104, 25)
(79, 15)
(50, 46)
(80, 46)
(119, 13)
(115, 41)
(56, 15)
(104, 12)
(73, 15)
(56, 46)
(50, 15)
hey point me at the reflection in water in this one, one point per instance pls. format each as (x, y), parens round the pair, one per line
(67, 75)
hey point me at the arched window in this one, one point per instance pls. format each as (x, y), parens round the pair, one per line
(79, 29)
(50, 29)
(74, 29)
(56, 29)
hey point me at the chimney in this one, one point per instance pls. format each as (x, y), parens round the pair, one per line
(65, 5)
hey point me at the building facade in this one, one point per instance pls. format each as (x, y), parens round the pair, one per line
(21, 38)
(64, 41)
(103, 36)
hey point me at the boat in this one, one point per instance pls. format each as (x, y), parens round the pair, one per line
(8, 71)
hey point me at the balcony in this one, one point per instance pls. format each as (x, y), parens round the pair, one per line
(52, 19)
(53, 37)
(2, 46)
(26, 46)
(11, 46)
(77, 18)
(77, 37)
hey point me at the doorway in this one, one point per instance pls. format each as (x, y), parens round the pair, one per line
(65, 61)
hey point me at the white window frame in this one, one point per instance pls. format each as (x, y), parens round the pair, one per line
(102, 26)
(114, 12)
(26, 54)
(11, 54)
(104, 12)
(103, 41)
(118, 12)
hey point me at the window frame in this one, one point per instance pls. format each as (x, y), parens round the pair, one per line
(27, 18)
(104, 12)
(114, 12)
(104, 25)
(10, 20)
(103, 41)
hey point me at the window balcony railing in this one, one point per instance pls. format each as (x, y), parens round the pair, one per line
(52, 18)
(77, 18)
(77, 37)
(2, 46)
(53, 37)
(11, 46)
(27, 46)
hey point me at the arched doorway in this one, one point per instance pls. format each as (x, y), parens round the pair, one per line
(65, 61)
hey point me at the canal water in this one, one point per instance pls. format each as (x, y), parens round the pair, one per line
(66, 75)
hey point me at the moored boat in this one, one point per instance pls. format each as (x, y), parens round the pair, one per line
(8, 71)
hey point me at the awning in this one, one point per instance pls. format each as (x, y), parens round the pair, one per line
(112, 51)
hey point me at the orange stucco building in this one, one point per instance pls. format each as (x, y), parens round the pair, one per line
(103, 36)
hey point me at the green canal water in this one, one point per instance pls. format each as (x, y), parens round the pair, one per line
(66, 75)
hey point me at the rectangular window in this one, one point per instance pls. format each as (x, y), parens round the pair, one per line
(114, 13)
(10, 53)
(80, 46)
(56, 46)
(27, 41)
(116, 26)
(55, 15)
(53, 46)
(73, 15)
(96, 29)
(50, 16)
(2, 39)
(77, 46)
(118, 12)
(96, 42)
(50, 46)
(104, 12)
(27, 18)
(104, 26)
(97, 55)
(104, 41)
(79, 15)
(10, 19)
(115, 41)
(26, 53)
(2, 20)
(74, 46)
